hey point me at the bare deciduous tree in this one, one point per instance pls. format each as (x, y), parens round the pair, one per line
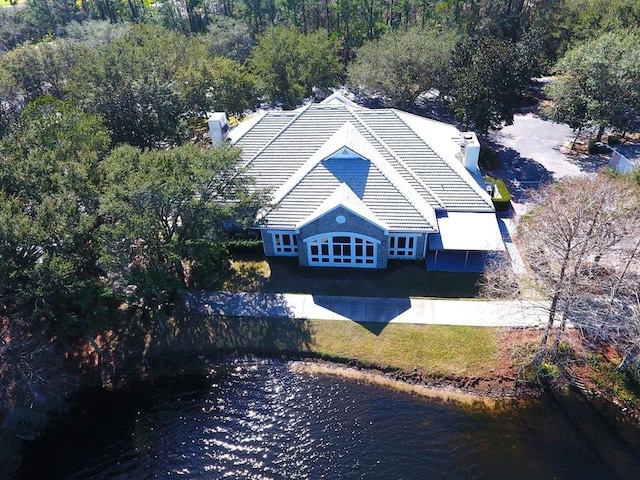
(580, 241)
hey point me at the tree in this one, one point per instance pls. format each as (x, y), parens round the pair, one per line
(147, 84)
(577, 241)
(50, 16)
(185, 16)
(41, 69)
(230, 38)
(290, 64)
(598, 84)
(95, 34)
(485, 81)
(165, 213)
(48, 204)
(402, 65)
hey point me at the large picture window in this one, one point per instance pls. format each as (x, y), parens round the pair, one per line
(344, 249)
(285, 244)
(402, 246)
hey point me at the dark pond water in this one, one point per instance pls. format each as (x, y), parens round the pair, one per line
(258, 420)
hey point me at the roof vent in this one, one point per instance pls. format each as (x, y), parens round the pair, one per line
(218, 127)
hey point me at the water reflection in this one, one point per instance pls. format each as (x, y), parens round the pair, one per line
(259, 420)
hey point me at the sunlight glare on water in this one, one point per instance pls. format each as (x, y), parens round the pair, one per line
(259, 420)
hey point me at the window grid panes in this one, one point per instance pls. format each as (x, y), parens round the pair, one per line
(342, 250)
(285, 244)
(402, 246)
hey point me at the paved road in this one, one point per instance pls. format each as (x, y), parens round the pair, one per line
(364, 309)
(539, 140)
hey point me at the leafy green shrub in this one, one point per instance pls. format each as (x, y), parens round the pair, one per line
(613, 140)
(598, 147)
(244, 245)
(547, 372)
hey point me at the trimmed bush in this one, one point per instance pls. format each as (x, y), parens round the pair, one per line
(501, 203)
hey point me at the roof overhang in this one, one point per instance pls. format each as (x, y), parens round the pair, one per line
(470, 231)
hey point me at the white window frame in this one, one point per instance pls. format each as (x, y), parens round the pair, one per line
(403, 245)
(352, 250)
(285, 244)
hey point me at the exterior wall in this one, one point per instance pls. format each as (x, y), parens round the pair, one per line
(267, 241)
(420, 242)
(352, 224)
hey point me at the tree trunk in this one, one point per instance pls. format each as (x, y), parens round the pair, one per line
(573, 144)
(542, 349)
(600, 133)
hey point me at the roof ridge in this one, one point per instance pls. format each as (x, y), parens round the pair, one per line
(343, 196)
(266, 145)
(456, 167)
(398, 177)
(309, 165)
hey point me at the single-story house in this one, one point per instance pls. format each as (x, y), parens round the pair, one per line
(356, 187)
(625, 158)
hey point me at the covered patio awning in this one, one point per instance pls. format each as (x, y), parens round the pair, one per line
(467, 231)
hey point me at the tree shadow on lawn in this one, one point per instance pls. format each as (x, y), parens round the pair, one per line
(588, 163)
(139, 346)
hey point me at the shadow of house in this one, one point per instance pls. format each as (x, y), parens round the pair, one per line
(401, 279)
(374, 314)
(519, 173)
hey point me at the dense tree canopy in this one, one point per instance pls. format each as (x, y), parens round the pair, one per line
(484, 83)
(165, 215)
(599, 83)
(80, 229)
(290, 64)
(49, 184)
(401, 65)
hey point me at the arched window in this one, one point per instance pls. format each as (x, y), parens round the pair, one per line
(342, 250)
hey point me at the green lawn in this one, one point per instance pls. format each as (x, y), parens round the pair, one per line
(401, 279)
(431, 349)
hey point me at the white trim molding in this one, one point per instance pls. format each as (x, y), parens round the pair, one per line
(285, 244)
(342, 249)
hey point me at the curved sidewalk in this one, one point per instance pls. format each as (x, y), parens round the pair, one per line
(414, 310)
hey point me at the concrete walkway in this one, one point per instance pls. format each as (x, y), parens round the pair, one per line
(364, 309)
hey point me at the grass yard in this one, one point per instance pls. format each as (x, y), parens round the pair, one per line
(430, 349)
(401, 279)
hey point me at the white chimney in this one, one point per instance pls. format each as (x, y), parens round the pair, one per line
(218, 127)
(470, 148)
